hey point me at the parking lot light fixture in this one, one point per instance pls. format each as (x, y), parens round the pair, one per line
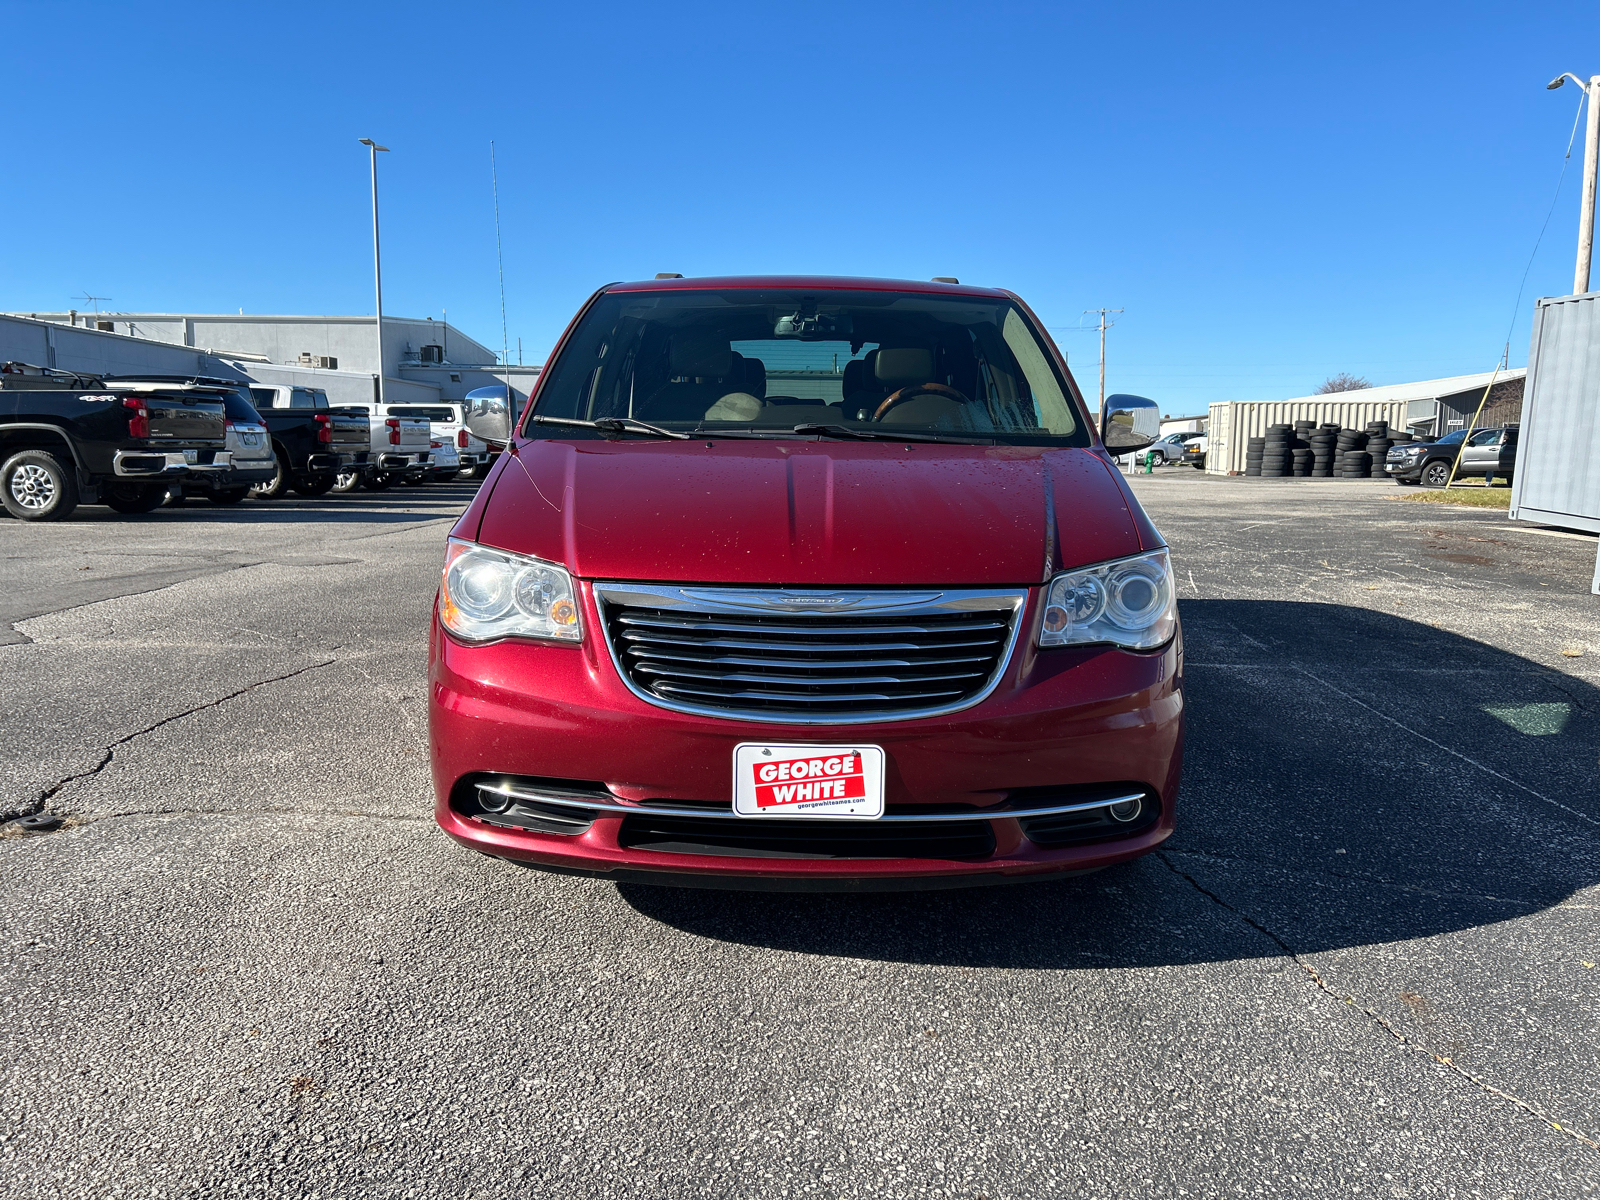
(377, 258)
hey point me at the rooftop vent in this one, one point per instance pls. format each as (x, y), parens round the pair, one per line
(945, 279)
(668, 275)
(433, 354)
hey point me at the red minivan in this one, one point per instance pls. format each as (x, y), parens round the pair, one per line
(807, 583)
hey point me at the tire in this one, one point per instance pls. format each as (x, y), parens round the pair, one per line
(1436, 474)
(279, 483)
(377, 481)
(175, 497)
(228, 495)
(468, 473)
(35, 485)
(315, 485)
(131, 499)
(346, 481)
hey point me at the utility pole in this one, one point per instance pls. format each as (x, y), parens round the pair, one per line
(377, 259)
(1103, 326)
(1591, 165)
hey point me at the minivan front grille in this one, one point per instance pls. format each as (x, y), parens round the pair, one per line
(809, 656)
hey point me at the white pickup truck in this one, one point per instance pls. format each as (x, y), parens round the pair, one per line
(448, 420)
(400, 448)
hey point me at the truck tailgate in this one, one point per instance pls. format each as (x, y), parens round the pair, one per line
(185, 419)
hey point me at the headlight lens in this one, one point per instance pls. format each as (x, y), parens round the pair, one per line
(488, 594)
(1129, 603)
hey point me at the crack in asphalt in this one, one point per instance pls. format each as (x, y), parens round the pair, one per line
(1354, 877)
(275, 810)
(109, 752)
(1377, 1018)
(1582, 816)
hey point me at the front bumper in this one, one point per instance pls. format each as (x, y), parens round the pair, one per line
(155, 464)
(1065, 722)
(1409, 471)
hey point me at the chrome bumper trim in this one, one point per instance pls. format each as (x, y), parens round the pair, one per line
(642, 810)
(166, 462)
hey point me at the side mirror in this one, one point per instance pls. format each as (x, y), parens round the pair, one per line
(1129, 423)
(489, 418)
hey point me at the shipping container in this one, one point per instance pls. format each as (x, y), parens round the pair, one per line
(1557, 478)
(1234, 422)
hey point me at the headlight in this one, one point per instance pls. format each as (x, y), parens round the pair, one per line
(1129, 603)
(488, 594)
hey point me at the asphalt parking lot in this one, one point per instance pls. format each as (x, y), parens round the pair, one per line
(250, 965)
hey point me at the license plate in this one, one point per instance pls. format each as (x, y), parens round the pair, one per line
(250, 439)
(191, 456)
(835, 782)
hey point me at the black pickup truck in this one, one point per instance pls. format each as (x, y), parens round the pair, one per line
(69, 438)
(314, 441)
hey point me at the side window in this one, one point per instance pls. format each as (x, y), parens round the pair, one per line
(1484, 437)
(319, 398)
(263, 397)
(301, 398)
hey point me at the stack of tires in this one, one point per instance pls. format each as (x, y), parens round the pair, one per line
(1378, 443)
(1254, 450)
(1275, 451)
(1353, 461)
(1322, 440)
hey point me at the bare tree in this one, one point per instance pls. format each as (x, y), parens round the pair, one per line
(1342, 382)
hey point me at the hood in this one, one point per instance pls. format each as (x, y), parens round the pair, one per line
(809, 513)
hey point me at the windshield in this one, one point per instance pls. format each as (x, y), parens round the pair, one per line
(1451, 439)
(739, 360)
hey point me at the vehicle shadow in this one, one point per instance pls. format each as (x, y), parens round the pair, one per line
(1350, 777)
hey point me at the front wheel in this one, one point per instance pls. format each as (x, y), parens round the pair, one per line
(377, 481)
(278, 484)
(132, 499)
(346, 481)
(315, 485)
(1436, 474)
(36, 486)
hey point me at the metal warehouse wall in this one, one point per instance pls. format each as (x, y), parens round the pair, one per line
(1557, 480)
(1235, 422)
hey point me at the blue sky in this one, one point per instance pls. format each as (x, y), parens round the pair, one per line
(1272, 192)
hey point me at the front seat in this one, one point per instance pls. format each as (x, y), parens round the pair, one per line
(701, 366)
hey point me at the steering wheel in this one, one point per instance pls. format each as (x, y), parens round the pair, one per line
(912, 391)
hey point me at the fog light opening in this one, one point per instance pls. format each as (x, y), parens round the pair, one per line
(1126, 810)
(493, 801)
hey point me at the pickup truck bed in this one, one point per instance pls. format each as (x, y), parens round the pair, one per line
(67, 439)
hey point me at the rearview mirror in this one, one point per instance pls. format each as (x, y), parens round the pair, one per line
(1129, 423)
(489, 418)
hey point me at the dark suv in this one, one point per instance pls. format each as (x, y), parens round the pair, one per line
(1487, 452)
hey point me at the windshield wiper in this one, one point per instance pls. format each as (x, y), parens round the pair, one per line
(883, 435)
(613, 426)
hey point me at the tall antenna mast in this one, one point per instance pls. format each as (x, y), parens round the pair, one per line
(494, 177)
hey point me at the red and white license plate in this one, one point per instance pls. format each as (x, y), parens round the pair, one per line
(808, 781)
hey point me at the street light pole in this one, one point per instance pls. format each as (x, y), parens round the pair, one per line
(1591, 165)
(377, 258)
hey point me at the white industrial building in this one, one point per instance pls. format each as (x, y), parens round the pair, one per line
(423, 360)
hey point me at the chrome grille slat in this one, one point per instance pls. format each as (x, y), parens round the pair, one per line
(819, 629)
(789, 656)
(921, 697)
(835, 664)
(636, 639)
(834, 681)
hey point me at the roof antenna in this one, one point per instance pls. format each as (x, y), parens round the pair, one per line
(494, 176)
